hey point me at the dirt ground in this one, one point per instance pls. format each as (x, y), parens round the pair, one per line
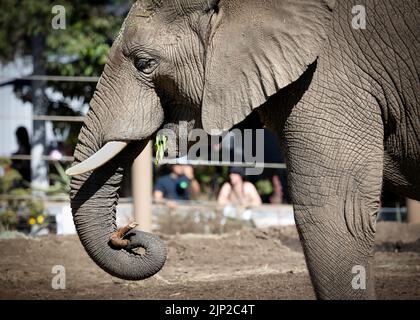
(248, 264)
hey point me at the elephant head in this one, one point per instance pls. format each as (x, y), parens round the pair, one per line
(207, 62)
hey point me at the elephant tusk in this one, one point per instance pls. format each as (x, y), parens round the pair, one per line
(99, 158)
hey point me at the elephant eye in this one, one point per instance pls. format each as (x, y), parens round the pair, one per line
(145, 65)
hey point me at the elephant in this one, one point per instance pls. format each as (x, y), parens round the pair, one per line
(343, 100)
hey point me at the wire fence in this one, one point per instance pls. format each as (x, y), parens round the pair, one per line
(43, 158)
(52, 79)
(194, 163)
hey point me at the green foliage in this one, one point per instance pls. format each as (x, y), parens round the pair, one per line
(61, 181)
(8, 176)
(264, 187)
(160, 146)
(8, 219)
(211, 179)
(90, 29)
(85, 42)
(18, 205)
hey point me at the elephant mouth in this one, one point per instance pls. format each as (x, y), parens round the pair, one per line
(179, 137)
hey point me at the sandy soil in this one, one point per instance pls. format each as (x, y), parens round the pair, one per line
(248, 264)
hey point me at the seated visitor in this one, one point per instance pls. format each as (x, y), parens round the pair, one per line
(180, 184)
(237, 192)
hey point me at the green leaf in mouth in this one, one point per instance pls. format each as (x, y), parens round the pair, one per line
(160, 145)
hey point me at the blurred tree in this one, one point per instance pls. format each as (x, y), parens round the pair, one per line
(78, 50)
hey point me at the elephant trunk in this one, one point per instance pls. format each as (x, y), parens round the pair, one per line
(94, 197)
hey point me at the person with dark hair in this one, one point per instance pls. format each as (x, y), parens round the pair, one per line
(24, 148)
(179, 184)
(238, 192)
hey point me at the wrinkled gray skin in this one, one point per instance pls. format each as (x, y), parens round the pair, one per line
(344, 101)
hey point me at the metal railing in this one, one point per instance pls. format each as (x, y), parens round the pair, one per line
(194, 163)
(44, 158)
(52, 78)
(58, 118)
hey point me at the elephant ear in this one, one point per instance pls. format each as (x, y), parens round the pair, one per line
(257, 47)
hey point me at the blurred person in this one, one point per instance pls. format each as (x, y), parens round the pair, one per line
(179, 184)
(238, 193)
(277, 196)
(55, 150)
(24, 148)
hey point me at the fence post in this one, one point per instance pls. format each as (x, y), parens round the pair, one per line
(142, 189)
(413, 211)
(39, 167)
